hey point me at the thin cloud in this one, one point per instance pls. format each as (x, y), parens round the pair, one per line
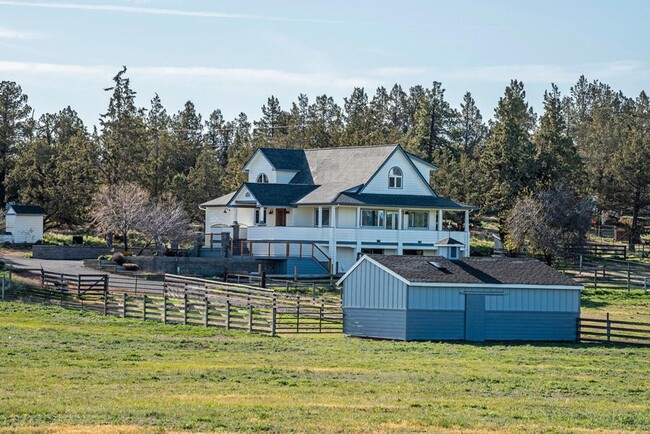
(327, 80)
(159, 11)
(7, 33)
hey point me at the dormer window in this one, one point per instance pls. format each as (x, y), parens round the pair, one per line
(262, 178)
(395, 178)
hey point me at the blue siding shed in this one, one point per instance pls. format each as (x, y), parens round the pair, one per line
(433, 298)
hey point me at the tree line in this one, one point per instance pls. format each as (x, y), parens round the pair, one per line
(592, 144)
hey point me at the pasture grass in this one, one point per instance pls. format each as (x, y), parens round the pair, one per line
(71, 371)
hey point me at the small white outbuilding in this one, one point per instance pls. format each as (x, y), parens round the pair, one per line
(24, 223)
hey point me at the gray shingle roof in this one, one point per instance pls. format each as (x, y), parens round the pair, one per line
(474, 270)
(285, 159)
(449, 242)
(220, 201)
(396, 200)
(339, 169)
(278, 195)
(28, 209)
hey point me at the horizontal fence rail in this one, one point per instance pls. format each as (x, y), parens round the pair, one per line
(185, 300)
(609, 273)
(613, 331)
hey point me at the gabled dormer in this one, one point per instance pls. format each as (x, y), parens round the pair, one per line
(274, 166)
(401, 174)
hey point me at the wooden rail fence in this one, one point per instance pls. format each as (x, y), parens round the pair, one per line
(613, 331)
(185, 300)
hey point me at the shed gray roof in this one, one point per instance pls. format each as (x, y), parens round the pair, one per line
(449, 242)
(474, 270)
(28, 209)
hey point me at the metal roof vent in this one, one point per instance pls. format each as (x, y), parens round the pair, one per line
(438, 265)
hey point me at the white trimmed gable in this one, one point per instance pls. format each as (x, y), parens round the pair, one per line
(243, 196)
(260, 164)
(412, 182)
(423, 168)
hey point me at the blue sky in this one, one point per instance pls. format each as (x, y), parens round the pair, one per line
(232, 55)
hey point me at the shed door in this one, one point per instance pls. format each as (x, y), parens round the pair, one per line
(475, 317)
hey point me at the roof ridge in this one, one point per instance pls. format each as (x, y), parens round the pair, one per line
(385, 145)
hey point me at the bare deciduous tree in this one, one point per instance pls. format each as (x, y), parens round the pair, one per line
(548, 222)
(127, 208)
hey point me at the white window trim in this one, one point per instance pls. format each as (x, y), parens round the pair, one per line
(394, 177)
(262, 178)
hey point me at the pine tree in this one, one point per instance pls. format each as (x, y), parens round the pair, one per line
(187, 129)
(325, 123)
(122, 140)
(14, 129)
(471, 131)
(356, 119)
(270, 128)
(57, 168)
(218, 136)
(435, 123)
(508, 159)
(557, 156)
(158, 166)
(629, 165)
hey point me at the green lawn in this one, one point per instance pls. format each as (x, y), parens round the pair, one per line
(77, 371)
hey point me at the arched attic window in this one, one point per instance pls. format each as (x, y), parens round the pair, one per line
(395, 178)
(262, 178)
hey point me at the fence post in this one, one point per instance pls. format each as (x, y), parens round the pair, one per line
(263, 281)
(207, 312)
(286, 287)
(298, 314)
(124, 305)
(313, 290)
(144, 307)
(609, 328)
(645, 284)
(105, 303)
(10, 271)
(580, 256)
(628, 276)
(578, 329)
(185, 308)
(136, 284)
(250, 316)
(295, 272)
(595, 279)
(273, 317)
(79, 286)
(225, 274)
(164, 312)
(42, 278)
(320, 319)
(227, 314)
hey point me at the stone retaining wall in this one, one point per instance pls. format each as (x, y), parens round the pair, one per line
(70, 253)
(198, 266)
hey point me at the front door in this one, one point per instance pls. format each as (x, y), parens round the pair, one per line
(281, 217)
(475, 317)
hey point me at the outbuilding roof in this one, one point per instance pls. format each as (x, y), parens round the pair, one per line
(220, 201)
(473, 270)
(28, 209)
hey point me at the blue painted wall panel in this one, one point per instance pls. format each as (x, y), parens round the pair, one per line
(531, 326)
(375, 323)
(435, 325)
(371, 287)
(306, 267)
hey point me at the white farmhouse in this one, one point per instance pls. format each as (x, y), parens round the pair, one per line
(24, 223)
(333, 204)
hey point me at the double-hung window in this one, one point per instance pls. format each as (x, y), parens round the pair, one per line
(372, 217)
(395, 178)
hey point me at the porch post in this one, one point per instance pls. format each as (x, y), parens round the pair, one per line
(440, 220)
(333, 239)
(234, 215)
(400, 245)
(357, 223)
(320, 217)
(466, 220)
(262, 215)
